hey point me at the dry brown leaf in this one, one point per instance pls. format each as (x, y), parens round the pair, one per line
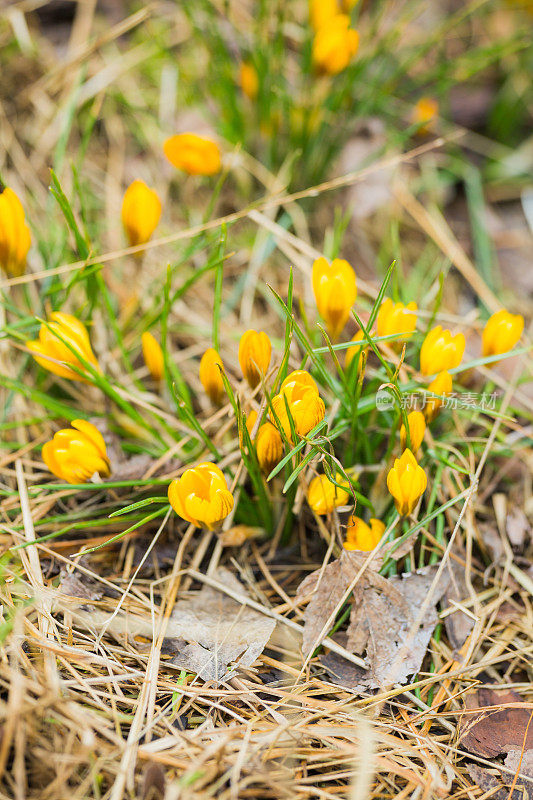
(383, 613)
(521, 762)
(328, 587)
(458, 624)
(487, 781)
(491, 732)
(518, 528)
(211, 631)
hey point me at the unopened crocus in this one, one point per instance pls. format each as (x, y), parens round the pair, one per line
(268, 446)
(396, 319)
(321, 12)
(300, 392)
(249, 80)
(417, 429)
(15, 238)
(141, 212)
(406, 482)
(255, 351)
(441, 351)
(352, 352)
(502, 331)
(441, 385)
(61, 343)
(201, 496)
(424, 114)
(323, 495)
(335, 290)
(361, 535)
(210, 375)
(153, 355)
(334, 45)
(193, 154)
(75, 454)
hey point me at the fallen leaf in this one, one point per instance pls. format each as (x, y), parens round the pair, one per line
(494, 730)
(212, 631)
(522, 763)
(383, 613)
(77, 584)
(487, 781)
(458, 624)
(153, 787)
(518, 528)
(328, 587)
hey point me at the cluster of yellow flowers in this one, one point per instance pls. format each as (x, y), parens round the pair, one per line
(335, 289)
(201, 495)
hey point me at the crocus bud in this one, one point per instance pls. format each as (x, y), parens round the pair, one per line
(153, 355)
(249, 80)
(141, 212)
(15, 236)
(321, 11)
(502, 332)
(396, 319)
(193, 154)
(424, 114)
(441, 351)
(334, 45)
(406, 482)
(201, 496)
(268, 446)
(254, 356)
(441, 385)
(305, 404)
(323, 495)
(352, 352)
(363, 536)
(335, 289)
(75, 454)
(417, 429)
(210, 376)
(50, 350)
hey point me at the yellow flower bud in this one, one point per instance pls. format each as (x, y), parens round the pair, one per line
(441, 351)
(335, 289)
(396, 319)
(502, 332)
(141, 212)
(334, 45)
(361, 535)
(255, 351)
(424, 113)
(210, 376)
(417, 429)
(201, 496)
(75, 454)
(441, 385)
(268, 446)
(153, 355)
(351, 352)
(249, 80)
(193, 154)
(251, 419)
(306, 406)
(323, 495)
(15, 236)
(406, 482)
(50, 349)
(321, 11)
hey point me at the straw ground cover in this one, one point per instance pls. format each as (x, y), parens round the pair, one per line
(238, 648)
